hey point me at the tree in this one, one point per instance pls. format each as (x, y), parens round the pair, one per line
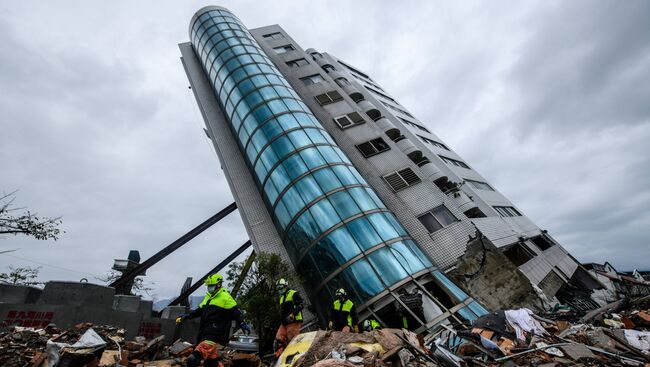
(21, 276)
(258, 296)
(21, 221)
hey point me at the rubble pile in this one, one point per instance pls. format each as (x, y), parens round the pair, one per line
(385, 347)
(98, 346)
(615, 335)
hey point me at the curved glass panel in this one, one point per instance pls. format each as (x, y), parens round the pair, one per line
(364, 233)
(320, 203)
(405, 255)
(388, 267)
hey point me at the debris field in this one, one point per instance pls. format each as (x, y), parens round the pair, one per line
(615, 335)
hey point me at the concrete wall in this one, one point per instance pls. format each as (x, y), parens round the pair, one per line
(10, 293)
(485, 273)
(77, 294)
(66, 304)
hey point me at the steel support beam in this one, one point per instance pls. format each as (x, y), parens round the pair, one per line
(142, 267)
(243, 274)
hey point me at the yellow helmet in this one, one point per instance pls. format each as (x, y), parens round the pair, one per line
(214, 279)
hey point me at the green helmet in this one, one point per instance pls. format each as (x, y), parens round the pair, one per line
(214, 279)
(340, 292)
(281, 283)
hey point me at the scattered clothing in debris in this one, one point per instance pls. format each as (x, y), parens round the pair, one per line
(522, 321)
(98, 346)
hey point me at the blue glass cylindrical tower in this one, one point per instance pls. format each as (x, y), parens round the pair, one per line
(336, 230)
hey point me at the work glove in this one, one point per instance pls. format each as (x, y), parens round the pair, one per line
(180, 318)
(245, 328)
(330, 325)
(356, 328)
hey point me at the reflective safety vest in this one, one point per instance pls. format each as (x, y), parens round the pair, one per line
(345, 307)
(289, 298)
(221, 299)
(374, 324)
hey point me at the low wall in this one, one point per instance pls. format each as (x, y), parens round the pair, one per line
(66, 304)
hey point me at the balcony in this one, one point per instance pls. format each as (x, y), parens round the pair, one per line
(353, 92)
(384, 124)
(369, 109)
(464, 202)
(433, 173)
(406, 146)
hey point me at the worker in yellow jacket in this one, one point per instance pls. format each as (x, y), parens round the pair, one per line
(291, 315)
(343, 316)
(217, 310)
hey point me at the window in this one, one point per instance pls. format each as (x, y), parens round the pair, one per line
(273, 36)
(480, 185)
(453, 162)
(349, 120)
(519, 254)
(375, 146)
(542, 242)
(433, 142)
(437, 218)
(342, 82)
(410, 123)
(329, 97)
(283, 49)
(507, 211)
(312, 79)
(402, 179)
(329, 68)
(297, 63)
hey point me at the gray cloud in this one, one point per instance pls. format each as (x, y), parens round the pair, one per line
(585, 65)
(548, 101)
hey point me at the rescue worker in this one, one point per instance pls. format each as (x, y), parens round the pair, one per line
(217, 310)
(291, 315)
(370, 325)
(344, 313)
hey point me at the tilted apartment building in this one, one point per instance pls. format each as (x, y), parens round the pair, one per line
(332, 173)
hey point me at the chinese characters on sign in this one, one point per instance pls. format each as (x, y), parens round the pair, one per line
(149, 330)
(28, 318)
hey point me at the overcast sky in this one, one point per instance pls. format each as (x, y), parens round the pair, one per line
(550, 101)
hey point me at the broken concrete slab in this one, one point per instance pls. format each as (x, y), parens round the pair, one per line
(577, 351)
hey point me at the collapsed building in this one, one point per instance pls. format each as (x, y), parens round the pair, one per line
(617, 285)
(337, 177)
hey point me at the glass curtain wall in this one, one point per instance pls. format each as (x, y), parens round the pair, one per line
(336, 230)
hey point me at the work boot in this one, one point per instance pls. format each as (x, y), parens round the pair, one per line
(211, 363)
(194, 360)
